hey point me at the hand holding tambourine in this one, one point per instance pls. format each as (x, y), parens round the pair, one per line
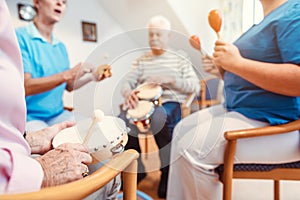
(105, 136)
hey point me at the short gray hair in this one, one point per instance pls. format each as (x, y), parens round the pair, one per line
(160, 22)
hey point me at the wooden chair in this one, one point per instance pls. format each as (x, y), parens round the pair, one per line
(209, 92)
(276, 172)
(186, 106)
(124, 163)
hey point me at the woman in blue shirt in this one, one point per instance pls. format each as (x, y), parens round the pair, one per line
(261, 81)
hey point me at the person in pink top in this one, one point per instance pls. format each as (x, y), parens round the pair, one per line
(19, 172)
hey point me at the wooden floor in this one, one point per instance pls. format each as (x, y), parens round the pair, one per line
(149, 185)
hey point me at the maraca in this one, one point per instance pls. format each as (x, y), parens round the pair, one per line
(102, 70)
(195, 42)
(215, 21)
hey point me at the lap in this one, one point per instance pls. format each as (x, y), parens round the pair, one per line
(199, 138)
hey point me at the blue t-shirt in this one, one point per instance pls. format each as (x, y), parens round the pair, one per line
(275, 40)
(41, 59)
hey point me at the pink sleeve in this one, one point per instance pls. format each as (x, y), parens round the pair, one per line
(18, 171)
(21, 173)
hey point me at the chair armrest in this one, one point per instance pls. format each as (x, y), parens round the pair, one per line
(82, 188)
(263, 131)
(186, 106)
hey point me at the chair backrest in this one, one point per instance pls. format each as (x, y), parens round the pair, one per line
(209, 92)
(124, 163)
(212, 86)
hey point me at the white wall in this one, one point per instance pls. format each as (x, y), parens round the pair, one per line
(69, 31)
(193, 14)
(114, 22)
(252, 14)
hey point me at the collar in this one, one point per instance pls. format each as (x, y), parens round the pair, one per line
(34, 33)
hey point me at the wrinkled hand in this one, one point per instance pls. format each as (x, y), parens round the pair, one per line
(131, 98)
(164, 81)
(40, 142)
(210, 67)
(64, 164)
(226, 55)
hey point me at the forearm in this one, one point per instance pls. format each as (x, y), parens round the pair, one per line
(282, 79)
(39, 85)
(73, 85)
(187, 85)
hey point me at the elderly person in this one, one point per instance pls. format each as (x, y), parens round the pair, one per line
(19, 172)
(174, 73)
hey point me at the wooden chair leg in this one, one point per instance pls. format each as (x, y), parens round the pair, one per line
(146, 146)
(228, 169)
(276, 190)
(129, 176)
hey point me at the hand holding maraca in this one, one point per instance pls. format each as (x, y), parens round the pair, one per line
(227, 55)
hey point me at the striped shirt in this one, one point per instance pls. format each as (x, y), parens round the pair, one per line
(171, 63)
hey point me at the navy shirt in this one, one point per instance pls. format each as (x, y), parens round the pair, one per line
(275, 40)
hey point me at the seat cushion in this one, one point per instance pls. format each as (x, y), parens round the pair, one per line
(259, 167)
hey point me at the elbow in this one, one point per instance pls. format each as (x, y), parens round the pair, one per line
(69, 88)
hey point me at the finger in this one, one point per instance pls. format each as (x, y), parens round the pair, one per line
(78, 65)
(134, 96)
(219, 48)
(73, 146)
(132, 104)
(220, 42)
(85, 158)
(63, 125)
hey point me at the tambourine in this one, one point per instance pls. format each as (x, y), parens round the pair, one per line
(109, 137)
(150, 92)
(140, 115)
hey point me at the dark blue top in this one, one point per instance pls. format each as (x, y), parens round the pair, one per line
(275, 40)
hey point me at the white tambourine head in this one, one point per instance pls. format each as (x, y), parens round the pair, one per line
(109, 135)
(68, 135)
(149, 91)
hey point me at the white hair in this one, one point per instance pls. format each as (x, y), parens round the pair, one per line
(160, 22)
